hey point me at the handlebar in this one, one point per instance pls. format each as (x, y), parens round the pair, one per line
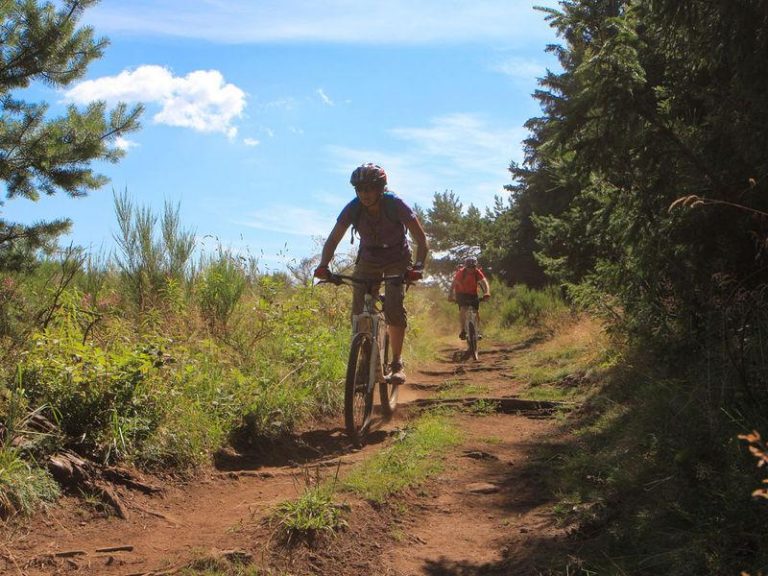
(338, 279)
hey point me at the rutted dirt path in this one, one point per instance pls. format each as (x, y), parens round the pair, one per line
(484, 514)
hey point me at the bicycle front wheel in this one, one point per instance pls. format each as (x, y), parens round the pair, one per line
(358, 395)
(472, 340)
(387, 389)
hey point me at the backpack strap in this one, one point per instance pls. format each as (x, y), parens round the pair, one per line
(357, 207)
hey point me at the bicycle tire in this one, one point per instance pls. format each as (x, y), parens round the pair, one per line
(387, 390)
(472, 340)
(358, 396)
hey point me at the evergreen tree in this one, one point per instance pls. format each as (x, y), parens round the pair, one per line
(452, 234)
(39, 154)
(656, 101)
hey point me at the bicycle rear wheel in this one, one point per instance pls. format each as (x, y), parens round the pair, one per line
(387, 389)
(472, 340)
(358, 396)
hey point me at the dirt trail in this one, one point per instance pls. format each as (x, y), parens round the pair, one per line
(485, 514)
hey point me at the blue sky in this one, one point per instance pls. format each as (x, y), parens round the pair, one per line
(257, 111)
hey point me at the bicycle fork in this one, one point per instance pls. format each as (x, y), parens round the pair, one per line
(369, 324)
(377, 336)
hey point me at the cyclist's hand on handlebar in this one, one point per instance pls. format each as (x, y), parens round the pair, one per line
(414, 273)
(322, 273)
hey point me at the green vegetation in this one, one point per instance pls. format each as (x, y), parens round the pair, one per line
(453, 389)
(579, 349)
(482, 407)
(657, 480)
(413, 457)
(158, 367)
(527, 307)
(313, 513)
(22, 487)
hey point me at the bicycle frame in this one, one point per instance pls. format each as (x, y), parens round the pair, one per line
(470, 317)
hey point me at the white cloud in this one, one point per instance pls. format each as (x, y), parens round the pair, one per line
(324, 97)
(466, 141)
(125, 144)
(282, 104)
(287, 219)
(459, 152)
(521, 68)
(251, 142)
(201, 100)
(363, 21)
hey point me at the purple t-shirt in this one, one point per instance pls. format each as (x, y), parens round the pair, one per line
(382, 241)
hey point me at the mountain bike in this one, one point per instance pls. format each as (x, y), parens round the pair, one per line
(368, 363)
(471, 329)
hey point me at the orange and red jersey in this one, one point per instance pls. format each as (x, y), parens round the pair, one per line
(465, 280)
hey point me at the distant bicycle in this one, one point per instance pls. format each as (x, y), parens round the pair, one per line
(368, 363)
(470, 329)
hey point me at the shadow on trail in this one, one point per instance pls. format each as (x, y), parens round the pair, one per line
(459, 361)
(528, 549)
(507, 566)
(306, 449)
(525, 547)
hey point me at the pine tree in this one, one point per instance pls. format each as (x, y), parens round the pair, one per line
(40, 42)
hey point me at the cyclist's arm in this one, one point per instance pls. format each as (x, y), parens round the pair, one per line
(418, 235)
(329, 248)
(485, 287)
(454, 284)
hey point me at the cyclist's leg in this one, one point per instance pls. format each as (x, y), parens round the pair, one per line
(358, 296)
(476, 306)
(463, 300)
(397, 317)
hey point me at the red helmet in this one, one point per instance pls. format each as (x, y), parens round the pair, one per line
(368, 174)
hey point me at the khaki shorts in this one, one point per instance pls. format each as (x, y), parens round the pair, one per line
(394, 294)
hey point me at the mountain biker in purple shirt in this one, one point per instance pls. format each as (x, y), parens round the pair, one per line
(382, 220)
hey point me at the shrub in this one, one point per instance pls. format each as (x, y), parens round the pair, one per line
(314, 512)
(221, 286)
(23, 488)
(530, 307)
(93, 393)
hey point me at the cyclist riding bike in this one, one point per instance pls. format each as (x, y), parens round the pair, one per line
(467, 279)
(382, 220)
